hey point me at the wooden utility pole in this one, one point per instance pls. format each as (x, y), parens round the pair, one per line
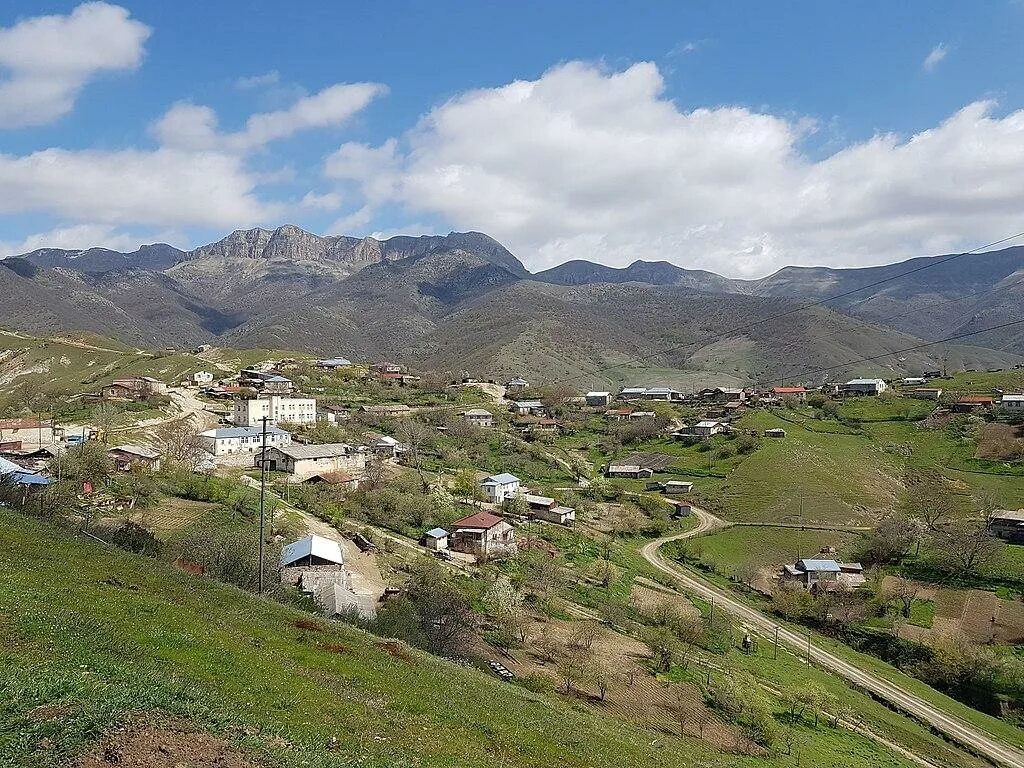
(263, 495)
(776, 642)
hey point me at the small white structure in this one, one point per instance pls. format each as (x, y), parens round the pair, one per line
(708, 428)
(201, 378)
(598, 399)
(497, 488)
(310, 551)
(678, 486)
(478, 417)
(234, 440)
(333, 362)
(1012, 403)
(276, 408)
(527, 407)
(813, 573)
(863, 387)
(436, 539)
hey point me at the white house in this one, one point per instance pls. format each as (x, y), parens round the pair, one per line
(277, 408)
(497, 488)
(863, 387)
(478, 417)
(234, 440)
(333, 362)
(305, 461)
(598, 399)
(201, 378)
(527, 408)
(1013, 403)
(708, 428)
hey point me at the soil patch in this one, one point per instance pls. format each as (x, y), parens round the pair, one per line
(164, 746)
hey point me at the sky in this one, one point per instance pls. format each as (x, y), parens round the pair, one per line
(735, 137)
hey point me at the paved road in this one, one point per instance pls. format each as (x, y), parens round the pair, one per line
(902, 699)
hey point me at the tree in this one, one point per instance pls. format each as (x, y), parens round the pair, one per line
(106, 418)
(417, 436)
(603, 676)
(928, 499)
(663, 645)
(585, 634)
(574, 666)
(903, 592)
(680, 707)
(516, 506)
(374, 474)
(180, 444)
(966, 546)
(892, 539)
(465, 486)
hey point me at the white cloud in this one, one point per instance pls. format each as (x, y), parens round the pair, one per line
(45, 61)
(584, 163)
(165, 187)
(267, 79)
(195, 127)
(329, 201)
(82, 236)
(935, 57)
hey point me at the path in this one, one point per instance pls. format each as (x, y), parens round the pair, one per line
(956, 729)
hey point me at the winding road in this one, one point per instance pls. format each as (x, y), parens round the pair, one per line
(906, 701)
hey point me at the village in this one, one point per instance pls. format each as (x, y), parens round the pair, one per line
(524, 508)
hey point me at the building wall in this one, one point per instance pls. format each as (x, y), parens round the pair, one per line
(295, 410)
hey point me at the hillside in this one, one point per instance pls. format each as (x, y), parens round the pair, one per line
(462, 302)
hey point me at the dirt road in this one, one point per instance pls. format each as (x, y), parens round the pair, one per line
(906, 701)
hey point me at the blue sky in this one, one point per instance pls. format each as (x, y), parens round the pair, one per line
(737, 137)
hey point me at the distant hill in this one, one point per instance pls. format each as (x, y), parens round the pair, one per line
(463, 302)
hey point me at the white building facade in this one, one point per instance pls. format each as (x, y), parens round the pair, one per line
(276, 408)
(240, 440)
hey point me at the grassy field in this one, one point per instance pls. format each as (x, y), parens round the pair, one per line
(734, 549)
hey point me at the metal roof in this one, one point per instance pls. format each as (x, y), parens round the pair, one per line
(865, 382)
(322, 451)
(827, 566)
(1013, 398)
(18, 474)
(477, 412)
(504, 478)
(528, 404)
(317, 546)
(598, 394)
(137, 450)
(437, 533)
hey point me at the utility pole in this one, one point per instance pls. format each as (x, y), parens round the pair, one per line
(808, 647)
(776, 642)
(711, 617)
(263, 495)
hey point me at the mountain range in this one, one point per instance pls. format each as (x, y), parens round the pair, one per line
(463, 302)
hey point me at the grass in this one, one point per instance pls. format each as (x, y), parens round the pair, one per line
(735, 549)
(119, 634)
(922, 613)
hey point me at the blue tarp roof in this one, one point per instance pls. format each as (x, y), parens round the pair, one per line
(18, 474)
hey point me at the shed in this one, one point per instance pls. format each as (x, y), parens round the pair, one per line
(436, 539)
(312, 550)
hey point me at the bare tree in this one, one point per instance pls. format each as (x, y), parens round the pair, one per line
(585, 634)
(903, 592)
(574, 667)
(179, 443)
(966, 546)
(106, 417)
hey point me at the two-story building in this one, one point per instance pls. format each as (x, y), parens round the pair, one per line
(497, 488)
(478, 417)
(276, 408)
(305, 461)
(235, 440)
(483, 534)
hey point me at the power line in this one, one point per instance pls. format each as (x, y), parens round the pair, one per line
(914, 348)
(820, 302)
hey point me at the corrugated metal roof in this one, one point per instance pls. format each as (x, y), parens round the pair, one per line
(317, 546)
(230, 432)
(504, 478)
(137, 450)
(828, 566)
(322, 451)
(437, 533)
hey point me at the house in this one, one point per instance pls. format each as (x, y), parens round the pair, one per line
(775, 432)
(304, 461)
(236, 440)
(677, 486)
(598, 399)
(708, 428)
(483, 534)
(516, 385)
(386, 446)
(797, 393)
(436, 539)
(925, 393)
(1013, 403)
(392, 410)
(969, 403)
(527, 407)
(680, 508)
(1007, 524)
(201, 378)
(546, 508)
(544, 424)
(276, 408)
(334, 414)
(497, 488)
(628, 468)
(17, 474)
(618, 414)
(332, 363)
(913, 381)
(265, 381)
(137, 388)
(339, 478)
(824, 574)
(859, 387)
(312, 551)
(382, 368)
(129, 457)
(478, 417)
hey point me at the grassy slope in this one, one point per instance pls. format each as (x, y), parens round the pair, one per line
(166, 641)
(734, 547)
